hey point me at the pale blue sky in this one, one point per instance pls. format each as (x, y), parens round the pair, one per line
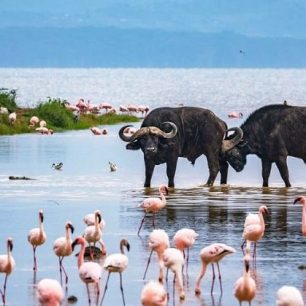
(281, 18)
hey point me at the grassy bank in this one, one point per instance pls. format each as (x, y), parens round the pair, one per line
(54, 112)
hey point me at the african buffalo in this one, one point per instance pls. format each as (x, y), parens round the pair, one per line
(272, 132)
(169, 133)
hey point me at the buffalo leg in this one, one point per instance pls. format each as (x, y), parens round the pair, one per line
(266, 170)
(171, 168)
(283, 170)
(149, 164)
(223, 171)
(213, 166)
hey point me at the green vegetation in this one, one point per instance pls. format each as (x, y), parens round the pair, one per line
(54, 112)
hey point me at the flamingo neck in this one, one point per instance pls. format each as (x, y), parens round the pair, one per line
(262, 221)
(304, 220)
(81, 254)
(68, 235)
(163, 198)
(121, 248)
(201, 274)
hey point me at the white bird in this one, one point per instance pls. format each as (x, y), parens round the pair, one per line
(245, 286)
(62, 247)
(210, 255)
(153, 294)
(89, 272)
(89, 219)
(113, 167)
(49, 292)
(174, 260)
(12, 117)
(7, 264)
(289, 296)
(57, 166)
(37, 236)
(93, 233)
(117, 262)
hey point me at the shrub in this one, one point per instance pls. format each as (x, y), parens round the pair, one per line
(8, 99)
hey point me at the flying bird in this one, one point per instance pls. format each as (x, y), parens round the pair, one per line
(113, 167)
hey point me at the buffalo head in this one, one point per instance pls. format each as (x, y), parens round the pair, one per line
(148, 138)
(236, 155)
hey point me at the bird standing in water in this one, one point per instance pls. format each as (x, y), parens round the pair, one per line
(57, 166)
(7, 264)
(212, 254)
(153, 294)
(117, 262)
(154, 205)
(49, 292)
(302, 200)
(37, 236)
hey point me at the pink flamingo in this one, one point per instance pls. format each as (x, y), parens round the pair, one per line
(49, 292)
(117, 262)
(93, 233)
(245, 286)
(33, 121)
(105, 106)
(97, 131)
(154, 205)
(254, 228)
(89, 272)
(37, 236)
(12, 117)
(7, 264)
(153, 294)
(184, 239)
(42, 123)
(289, 296)
(158, 242)
(132, 108)
(235, 115)
(143, 109)
(89, 219)
(174, 260)
(62, 247)
(210, 255)
(123, 109)
(302, 200)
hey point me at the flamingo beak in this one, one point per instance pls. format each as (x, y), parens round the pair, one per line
(297, 200)
(99, 218)
(41, 216)
(71, 227)
(247, 265)
(74, 243)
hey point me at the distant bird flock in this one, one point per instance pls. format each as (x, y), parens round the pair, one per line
(173, 258)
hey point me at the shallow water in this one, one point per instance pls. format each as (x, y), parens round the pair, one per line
(86, 184)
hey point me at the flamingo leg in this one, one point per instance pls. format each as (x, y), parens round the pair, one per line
(153, 222)
(34, 256)
(242, 246)
(121, 287)
(167, 275)
(220, 279)
(149, 260)
(213, 279)
(105, 288)
(141, 224)
(254, 255)
(98, 292)
(88, 294)
(62, 267)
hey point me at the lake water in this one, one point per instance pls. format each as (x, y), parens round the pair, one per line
(85, 184)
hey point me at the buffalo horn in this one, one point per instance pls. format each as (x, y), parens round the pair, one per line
(228, 144)
(153, 130)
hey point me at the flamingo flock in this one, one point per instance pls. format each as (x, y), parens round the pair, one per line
(171, 258)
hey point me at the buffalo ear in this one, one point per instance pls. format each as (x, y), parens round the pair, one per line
(133, 145)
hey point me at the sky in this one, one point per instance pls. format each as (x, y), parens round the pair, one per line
(263, 18)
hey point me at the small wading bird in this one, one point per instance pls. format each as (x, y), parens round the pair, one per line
(184, 239)
(174, 260)
(57, 166)
(302, 200)
(116, 263)
(210, 255)
(153, 205)
(245, 286)
(7, 264)
(289, 296)
(89, 219)
(153, 294)
(62, 247)
(158, 242)
(49, 292)
(89, 272)
(37, 236)
(113, 167)
(254, 228)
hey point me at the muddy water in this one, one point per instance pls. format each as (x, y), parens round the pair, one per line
(85, 184)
